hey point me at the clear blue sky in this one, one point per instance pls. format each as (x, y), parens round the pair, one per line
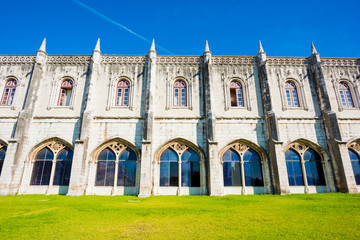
(286, 28)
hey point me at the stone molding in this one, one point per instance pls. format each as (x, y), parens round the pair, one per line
(17, 59)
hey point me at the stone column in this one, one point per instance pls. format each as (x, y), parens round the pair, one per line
(82, 155)
(147, 160)
(18, 148)
(276, 153)
(344, 177)
(215, 173)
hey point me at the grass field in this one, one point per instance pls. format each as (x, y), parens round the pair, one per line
(306, 216)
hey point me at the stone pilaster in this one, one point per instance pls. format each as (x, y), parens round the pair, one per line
(344, 176)
(82, 153)
(215, 173)
(276, 154)
(146, 183)
(18, 148)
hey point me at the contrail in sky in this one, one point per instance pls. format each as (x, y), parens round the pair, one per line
(117, 24)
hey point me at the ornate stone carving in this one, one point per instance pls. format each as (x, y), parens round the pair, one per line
(340, 61)
(300, 148)
(68, 59)
(179, 148)
(117, 147)
(233, 60)
(17, 59)
(123, 59)
(179, 59)
(286, 61)
(355, 146)
(240, 148)
(56, 147)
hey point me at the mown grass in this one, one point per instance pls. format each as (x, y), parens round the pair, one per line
(307, 216)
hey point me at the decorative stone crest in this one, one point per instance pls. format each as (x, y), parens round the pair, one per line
(117, 147)
(56, 147)
(300, 148)
(179, 148)
(240, 148)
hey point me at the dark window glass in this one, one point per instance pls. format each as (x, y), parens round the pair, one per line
(252, 169)
(105, 168)
(169, 168)
(293, 166)
(190, 169)
(231, 168)
(355, 162)
(42, 167)
(127, 168)
(2, 157)
(236, 94)
(313, 168)
(63, 167)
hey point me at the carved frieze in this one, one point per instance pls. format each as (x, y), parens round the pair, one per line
(68, 59)
(179, 59)
(233, 60)
(17, 59)
(123, 59)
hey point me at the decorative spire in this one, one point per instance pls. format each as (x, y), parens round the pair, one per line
(97, 47)
(207, 47)
(152, 49)
(313, 49)
(43, 46)
(261, 50)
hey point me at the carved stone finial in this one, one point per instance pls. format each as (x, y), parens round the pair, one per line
(313, 49)
(261, 50)
(152, 48)
(97, 47)
(43, 46)
(206, 47)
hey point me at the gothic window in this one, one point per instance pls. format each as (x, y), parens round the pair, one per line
(180, 93)
(304, 166)
(2, 156)
(52, 165)
(345, 95)
(122, 93)
(354, 152)
(9, 92)
(179, 166)
(236, 94)
(292, 98)
(242, 167)
(65, 93)
(116, 166)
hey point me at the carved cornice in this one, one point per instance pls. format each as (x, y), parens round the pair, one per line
(287, 61)
(124, 59)
(340, 61)
(232, 60)
(179, 59)
(68, 59)
(17, 59)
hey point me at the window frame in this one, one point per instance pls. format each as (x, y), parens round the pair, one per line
(66, 88)
(180, 94)
(170, 93)
(352, 90)
(245, 93)
(56, 93)
(299, 88)
(123, 88)
(12, 106)
(113, 91)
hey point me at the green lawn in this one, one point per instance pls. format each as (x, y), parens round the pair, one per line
(305, 216)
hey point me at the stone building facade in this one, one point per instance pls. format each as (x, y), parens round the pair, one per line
(156, 125)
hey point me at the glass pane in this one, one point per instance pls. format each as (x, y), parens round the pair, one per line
(37, 172)
(118, 96)
(176, 97)
(313, 168)
(239, 97)
(195, 174)
(174, 174)
(252, 169)
(110, 172)
(127, 173)
(233, 97)
(183, 97)
(295, 98)
(2, 153)
(127, 154)
(107, 154)
(126, 97)
(236, 174)
(169, 155)
(65, 154)
(355, 162)
(343, 98)
(62, 173)
(348, 97)
(164, 174)
(46, 173)
(293, 165)
(185, 174)
(288, 98)
(100, 173)
(45, 154)
(12, 94)
(189, 155)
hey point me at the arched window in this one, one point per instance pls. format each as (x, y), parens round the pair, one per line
(236, 94)
(180, 94)
(355, 162)
(291, 94)
(2, 156)
(345, 95)
(242, 167)
(304, 166)
(122, 93)
(45, 173)
(170, 160)
(65, 93)
(116, 159)
(9, 92)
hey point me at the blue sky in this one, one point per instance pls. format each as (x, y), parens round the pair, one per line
(286, 28)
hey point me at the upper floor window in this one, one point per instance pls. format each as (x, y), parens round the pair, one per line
(345, 95)
(9, 92)
(65, 93)
(122, 93)
(291, 94)
(236, 94)
(180, 93)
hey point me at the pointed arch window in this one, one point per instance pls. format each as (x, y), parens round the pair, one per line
(291, 93)
(345, 95)
(354, 152)
(304, 166)
(52, 165)
(179, 167)
(116, 166)
(180, 93)
(242, 167)
(2, 156)
(122, 93)
(9, 93)
(236, 94)
(65, 93)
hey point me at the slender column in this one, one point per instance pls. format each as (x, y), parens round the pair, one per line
(215, 174)
(17, 151)
(179, 172)
(116, 175)
(81, 159)
(344, 177)
(146, 182)
(302, 162)
(242, 176)
(276, 154)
